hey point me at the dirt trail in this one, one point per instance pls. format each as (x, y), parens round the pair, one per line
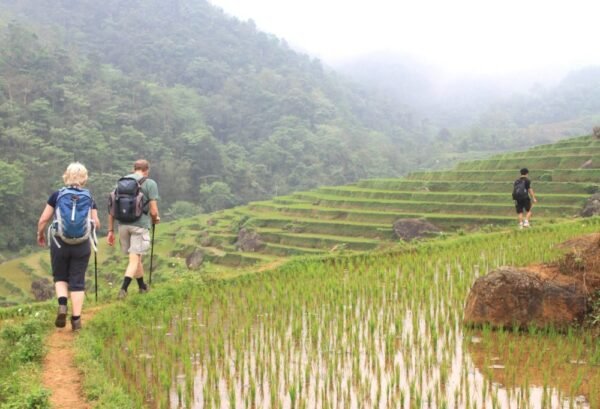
(60, 375)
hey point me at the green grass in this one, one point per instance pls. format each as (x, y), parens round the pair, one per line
(542, 175)
(490, 186)
(380, 315)
(536, 162)
(342, 192)
(501, 207)
(317, 241)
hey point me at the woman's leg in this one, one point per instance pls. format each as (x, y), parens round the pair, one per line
(77, 298)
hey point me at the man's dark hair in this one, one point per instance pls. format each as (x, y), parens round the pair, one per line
(524, 171)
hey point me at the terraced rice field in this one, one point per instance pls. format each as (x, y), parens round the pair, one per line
(475, 193)
(360, 216)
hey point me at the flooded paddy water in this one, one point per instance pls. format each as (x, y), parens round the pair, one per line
(366, 332)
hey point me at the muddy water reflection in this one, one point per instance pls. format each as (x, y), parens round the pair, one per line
(383, 352)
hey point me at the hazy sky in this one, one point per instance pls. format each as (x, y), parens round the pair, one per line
(463, 36)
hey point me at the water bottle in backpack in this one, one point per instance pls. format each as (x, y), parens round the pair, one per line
(126, 203)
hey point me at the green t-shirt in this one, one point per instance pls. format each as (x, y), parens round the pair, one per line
(150, 191)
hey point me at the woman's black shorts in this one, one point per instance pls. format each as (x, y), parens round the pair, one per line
(70, 262)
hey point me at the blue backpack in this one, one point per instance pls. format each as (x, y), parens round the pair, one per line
(72, 216)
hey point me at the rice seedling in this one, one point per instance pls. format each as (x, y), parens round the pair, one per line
(379, 330)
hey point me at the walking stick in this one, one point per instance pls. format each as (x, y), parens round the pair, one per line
(152, 250)
(96, 274)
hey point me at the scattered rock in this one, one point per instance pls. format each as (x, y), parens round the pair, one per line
(205, 239)
(592, 206)
(195, 259)
(559, 293)
(249, 240)
(510, 297)
(42, 289)
(409, 229)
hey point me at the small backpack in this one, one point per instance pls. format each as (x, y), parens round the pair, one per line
(126, 203)
(520, 192)
(72, 216)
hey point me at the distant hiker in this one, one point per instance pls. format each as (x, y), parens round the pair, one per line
(523, 195)
(134, 204)
(71, 236)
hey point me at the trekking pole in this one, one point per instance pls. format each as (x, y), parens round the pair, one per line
(152, 250)
(96, 274)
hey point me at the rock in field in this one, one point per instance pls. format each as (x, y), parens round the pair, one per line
(510, 297)
(194, 260)
(249, 240)
(409, 229)
(592, 206)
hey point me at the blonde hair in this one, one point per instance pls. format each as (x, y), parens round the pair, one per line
(75, 175)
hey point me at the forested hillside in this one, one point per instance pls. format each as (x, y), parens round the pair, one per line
(225, 113)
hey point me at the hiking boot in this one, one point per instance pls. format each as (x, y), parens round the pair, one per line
(122, 294)
(526, 223)
(61, 316)
(145, 289)
(520, 225)
(76, 324)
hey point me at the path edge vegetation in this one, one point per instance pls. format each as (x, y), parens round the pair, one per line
(23, 332)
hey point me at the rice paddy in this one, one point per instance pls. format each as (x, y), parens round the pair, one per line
(377, 330)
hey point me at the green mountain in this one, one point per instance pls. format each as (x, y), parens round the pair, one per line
(225, 113)
(357, 217)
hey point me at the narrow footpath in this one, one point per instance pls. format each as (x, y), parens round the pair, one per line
(60, 374)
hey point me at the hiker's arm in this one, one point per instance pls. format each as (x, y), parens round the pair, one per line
(154, 212)
(42, 223)
(111, 230)
(95, 218)
(532, 195)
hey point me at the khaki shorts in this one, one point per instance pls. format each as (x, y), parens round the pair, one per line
(134, 239)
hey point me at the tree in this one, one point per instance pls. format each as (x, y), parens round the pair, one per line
(216, 196)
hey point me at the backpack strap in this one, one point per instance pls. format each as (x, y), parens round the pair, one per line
(145, 203)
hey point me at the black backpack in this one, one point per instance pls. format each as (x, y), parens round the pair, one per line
(520, 192)
(126, 203)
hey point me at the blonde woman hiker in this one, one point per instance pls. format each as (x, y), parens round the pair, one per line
(71, 216)
(134, 204)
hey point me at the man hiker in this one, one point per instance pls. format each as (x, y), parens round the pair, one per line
(136, 213)
(71, 237)
(523, 195)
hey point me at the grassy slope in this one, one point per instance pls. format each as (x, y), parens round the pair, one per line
(358, 217)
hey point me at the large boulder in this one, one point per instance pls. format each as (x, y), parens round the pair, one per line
(509, 297)
(249, 240)
(409, 229)
(194, 260)
(42, 289)
(592, 206)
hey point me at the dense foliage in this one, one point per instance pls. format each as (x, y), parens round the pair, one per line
(225, 113)
(21, 353)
